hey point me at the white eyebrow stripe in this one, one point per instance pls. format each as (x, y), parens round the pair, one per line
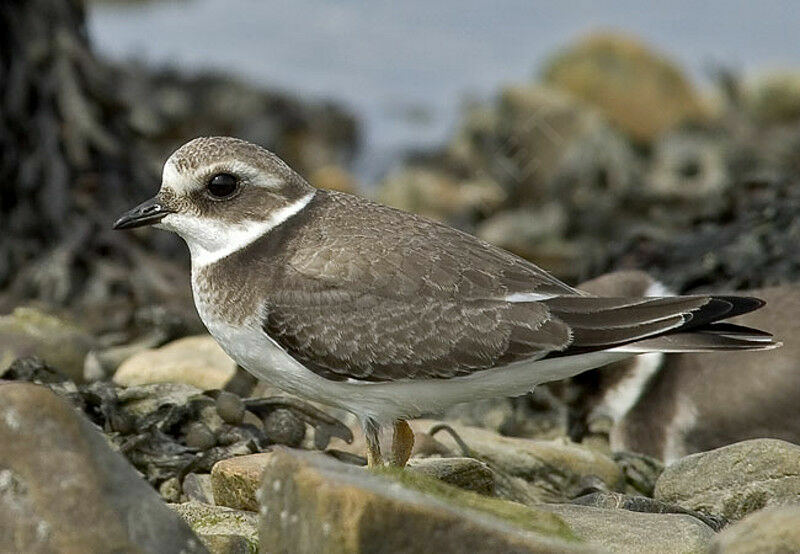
(256, 177)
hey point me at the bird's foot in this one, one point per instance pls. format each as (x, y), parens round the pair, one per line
(372, 434)
(402, 443)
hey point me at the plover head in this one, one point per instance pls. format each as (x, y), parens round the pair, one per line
(219, 194)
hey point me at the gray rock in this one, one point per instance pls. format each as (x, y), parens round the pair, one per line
(734, 480)
(624, 531)
(464, 473)
(312, 503)
(774, 530)
(531, 471)
(28, 332)
(223, 530)
(63, 489)
(197, 487)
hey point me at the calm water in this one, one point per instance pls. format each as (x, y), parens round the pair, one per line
(405, 67)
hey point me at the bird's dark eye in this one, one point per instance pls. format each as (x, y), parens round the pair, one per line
(222, 185)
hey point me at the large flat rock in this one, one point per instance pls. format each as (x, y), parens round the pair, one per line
(312, 503)
(766, 531)
(623, 531)
(63, 489)
(734, 480)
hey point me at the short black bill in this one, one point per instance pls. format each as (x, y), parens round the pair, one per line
(147, 213)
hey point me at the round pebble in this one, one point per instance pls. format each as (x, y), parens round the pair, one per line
(230, 408)
(200, 436)
(283, 427)
(170, 490)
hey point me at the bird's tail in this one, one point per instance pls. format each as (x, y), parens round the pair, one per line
(659, 324)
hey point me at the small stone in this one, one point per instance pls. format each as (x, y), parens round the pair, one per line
(281, 426)
(200, 436)
(230, 407)
(624, 531)
(222, 530)
(197, 487)
(170, 490)
(734, 480)
(197, 361)
(236, 480)
(464, 473)
(770, 530)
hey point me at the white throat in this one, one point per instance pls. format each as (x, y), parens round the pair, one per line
(210, 240)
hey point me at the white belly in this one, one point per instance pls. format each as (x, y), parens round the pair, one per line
(384, 402)
(250, 346)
